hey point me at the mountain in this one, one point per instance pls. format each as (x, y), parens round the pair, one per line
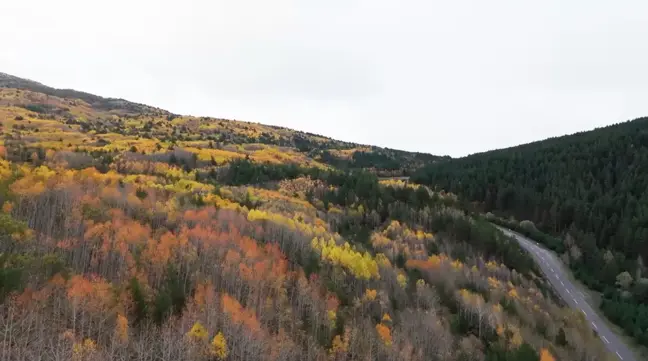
(131, 233)
(109, 115)
(97, 102)
(587, 192)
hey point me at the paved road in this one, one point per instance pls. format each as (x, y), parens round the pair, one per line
(552, 268)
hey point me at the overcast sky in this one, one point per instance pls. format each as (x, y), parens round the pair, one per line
(443, 77)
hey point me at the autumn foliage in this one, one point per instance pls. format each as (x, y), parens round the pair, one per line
(136, 234)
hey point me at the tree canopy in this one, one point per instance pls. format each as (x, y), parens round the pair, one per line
(585, 193)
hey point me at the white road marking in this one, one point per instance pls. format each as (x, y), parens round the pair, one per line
(568, 291)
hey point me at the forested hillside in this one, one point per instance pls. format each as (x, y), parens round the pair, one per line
(590, 190)
(129, 233)
(218, 139)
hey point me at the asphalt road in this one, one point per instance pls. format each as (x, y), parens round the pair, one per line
(552, 268)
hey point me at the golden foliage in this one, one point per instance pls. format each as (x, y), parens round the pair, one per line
(397, 183)
(218, 346)
(338, 346)
(382, 260)
(198, 332)
(494, 282)
(292, 224)
(379, 240)
(513, 293)
(515, 339)
(5, 169)
(402, 280)
(121, 328)
(82, 350)
(386, 318)
(492, 266)
(370, 294)
(332, 316)
(361, 265)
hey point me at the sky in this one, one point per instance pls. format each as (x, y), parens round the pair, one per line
(441, 77)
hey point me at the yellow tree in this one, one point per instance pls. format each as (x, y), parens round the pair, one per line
(121, 329)
(84, 350)
(340, 344)
(198, 332)
(219, 346)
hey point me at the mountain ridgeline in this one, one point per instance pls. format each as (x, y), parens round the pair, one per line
(107, 113)
(586, 193)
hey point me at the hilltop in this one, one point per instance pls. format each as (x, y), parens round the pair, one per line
(131, 233)
(90, 118)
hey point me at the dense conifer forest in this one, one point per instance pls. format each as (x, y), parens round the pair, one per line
(584, 195)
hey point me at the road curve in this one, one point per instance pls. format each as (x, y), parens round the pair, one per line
(551, 266)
